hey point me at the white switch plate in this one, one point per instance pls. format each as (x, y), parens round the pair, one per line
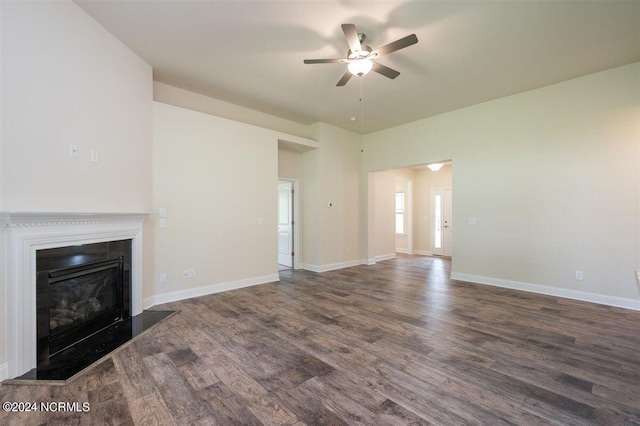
(185, 273)
(261, 221)
(162, 223)
(163, 277)
(162, 212)
(73, 150)
(472, 221)
(192, 273)
(94, 156)
(579, 275)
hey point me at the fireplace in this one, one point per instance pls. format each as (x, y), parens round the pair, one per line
(80, 290)
(25, 235)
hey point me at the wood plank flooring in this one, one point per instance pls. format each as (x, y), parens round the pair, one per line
(389, 344)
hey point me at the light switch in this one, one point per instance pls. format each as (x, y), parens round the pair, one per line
(162, 212)
(94, 156)
(162, 223)
(472, 221)
(261, 221)
(73, 150)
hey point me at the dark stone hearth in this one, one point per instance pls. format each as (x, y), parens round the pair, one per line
(69, 362)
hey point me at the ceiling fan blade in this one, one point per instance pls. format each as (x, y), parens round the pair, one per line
(347, 75)
(396, 45)
(351, 33)
(386, 71)
(326, 61)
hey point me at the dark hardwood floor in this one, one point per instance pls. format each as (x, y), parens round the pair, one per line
(389, 344)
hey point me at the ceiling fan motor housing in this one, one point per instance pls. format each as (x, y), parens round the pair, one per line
(359, 54)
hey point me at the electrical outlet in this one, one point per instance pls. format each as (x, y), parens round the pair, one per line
(192, 273)
(163, 277)
(579, 275)
(185, 273)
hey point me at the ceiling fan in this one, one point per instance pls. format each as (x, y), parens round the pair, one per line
(360, 57)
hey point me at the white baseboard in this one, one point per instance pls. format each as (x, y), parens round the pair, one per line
(601, 299)
(420, 252)
(174, 296)
(382, 257)
(310, 267)
(4, 372)
(371, 261)
(332, 266)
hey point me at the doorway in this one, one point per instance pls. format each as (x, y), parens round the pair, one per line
(401, 214)
(287, 223)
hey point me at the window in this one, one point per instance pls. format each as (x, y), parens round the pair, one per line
(437, 216)
(399, 212)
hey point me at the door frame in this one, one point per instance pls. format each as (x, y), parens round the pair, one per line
(296, 222)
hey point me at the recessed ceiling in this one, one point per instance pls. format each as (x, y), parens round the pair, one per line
(251, 53)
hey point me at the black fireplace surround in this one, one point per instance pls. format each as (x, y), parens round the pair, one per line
(80, 290)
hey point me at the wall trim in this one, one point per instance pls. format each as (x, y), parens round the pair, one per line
(583, 296)
(310, 267)
(4, 372)
(423, 252)
(189, 293)
(381, 257)
(332, 266)
(402, 250)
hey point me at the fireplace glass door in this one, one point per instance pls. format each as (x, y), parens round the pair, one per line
(83, 300)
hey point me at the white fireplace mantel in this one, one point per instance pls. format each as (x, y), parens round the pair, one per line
(27, 232)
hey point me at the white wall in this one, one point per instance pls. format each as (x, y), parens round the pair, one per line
(290, 163)
(332, 175)
(551, 176)
(384, 214)
(215, 178)
(66, 80)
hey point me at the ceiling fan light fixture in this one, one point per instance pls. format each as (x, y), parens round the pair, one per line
(435, 166)
(360, 67)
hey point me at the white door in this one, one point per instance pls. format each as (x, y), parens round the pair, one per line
(447, 223)
(442, 224)
(285, 226)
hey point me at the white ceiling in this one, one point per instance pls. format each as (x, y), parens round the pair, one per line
(251, 53)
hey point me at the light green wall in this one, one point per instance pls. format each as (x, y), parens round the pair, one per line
(551, 176)
(214, 194)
